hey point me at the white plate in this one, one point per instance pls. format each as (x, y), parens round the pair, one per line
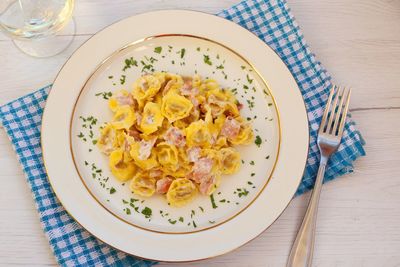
(269, 175)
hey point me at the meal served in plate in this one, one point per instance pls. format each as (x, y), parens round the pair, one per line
(174, 135)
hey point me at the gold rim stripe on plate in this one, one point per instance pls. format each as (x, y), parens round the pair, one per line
(129, 46)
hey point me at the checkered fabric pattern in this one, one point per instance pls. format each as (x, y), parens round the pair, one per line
(273, 23)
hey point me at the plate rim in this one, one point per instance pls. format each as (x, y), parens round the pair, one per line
(266, 46)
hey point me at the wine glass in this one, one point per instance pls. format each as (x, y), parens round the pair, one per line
(40, 28)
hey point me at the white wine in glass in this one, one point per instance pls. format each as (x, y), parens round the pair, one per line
(40, 28)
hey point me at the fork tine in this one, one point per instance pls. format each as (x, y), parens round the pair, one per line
(344, 114)
(333, 110)
(328, 104)
(339, 111)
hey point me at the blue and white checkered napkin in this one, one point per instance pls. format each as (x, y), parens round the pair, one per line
(273, 23)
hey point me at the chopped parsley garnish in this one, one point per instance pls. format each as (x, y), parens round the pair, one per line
(248, 79)
(207, 60)
(265, 92)
(129, 62)
(110, 77)
(181, 219)
(252, 162)
(147, 212)
(214, 206)
(127, 211)
(86, 163)
(220, 67)
(122, 79)
(267, 157)
(198, 48)
(258, 141)
(244, 192)
(158, 49)
(90, 121)
(222, 200)
(124, 201)
(250, 103)
(243, 67)
(194, 224)
(147, 64)
(183, 50)
(252, 174)
(250, 183)
(171, 221)
(241, 192)
(245, 87)
(112, 190)
(94, 142)
(201, 208)
(211, 222)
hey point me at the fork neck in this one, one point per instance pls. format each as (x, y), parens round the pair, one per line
(324, 160)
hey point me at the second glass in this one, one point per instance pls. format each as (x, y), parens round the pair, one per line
(40, 28)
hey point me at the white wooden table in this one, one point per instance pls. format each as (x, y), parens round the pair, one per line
(358, 41)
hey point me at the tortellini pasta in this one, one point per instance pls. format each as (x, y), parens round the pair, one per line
(151, 118)
(175, 107)
(122, 169)
(167, 155)
(146, 87)
(124, 118)
(174, 135)
(230, 160)
(198, 134)
(180, 192)
(143, 185)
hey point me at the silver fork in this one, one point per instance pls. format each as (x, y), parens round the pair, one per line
(329, 135)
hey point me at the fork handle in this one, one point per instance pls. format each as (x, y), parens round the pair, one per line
(303, 247)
